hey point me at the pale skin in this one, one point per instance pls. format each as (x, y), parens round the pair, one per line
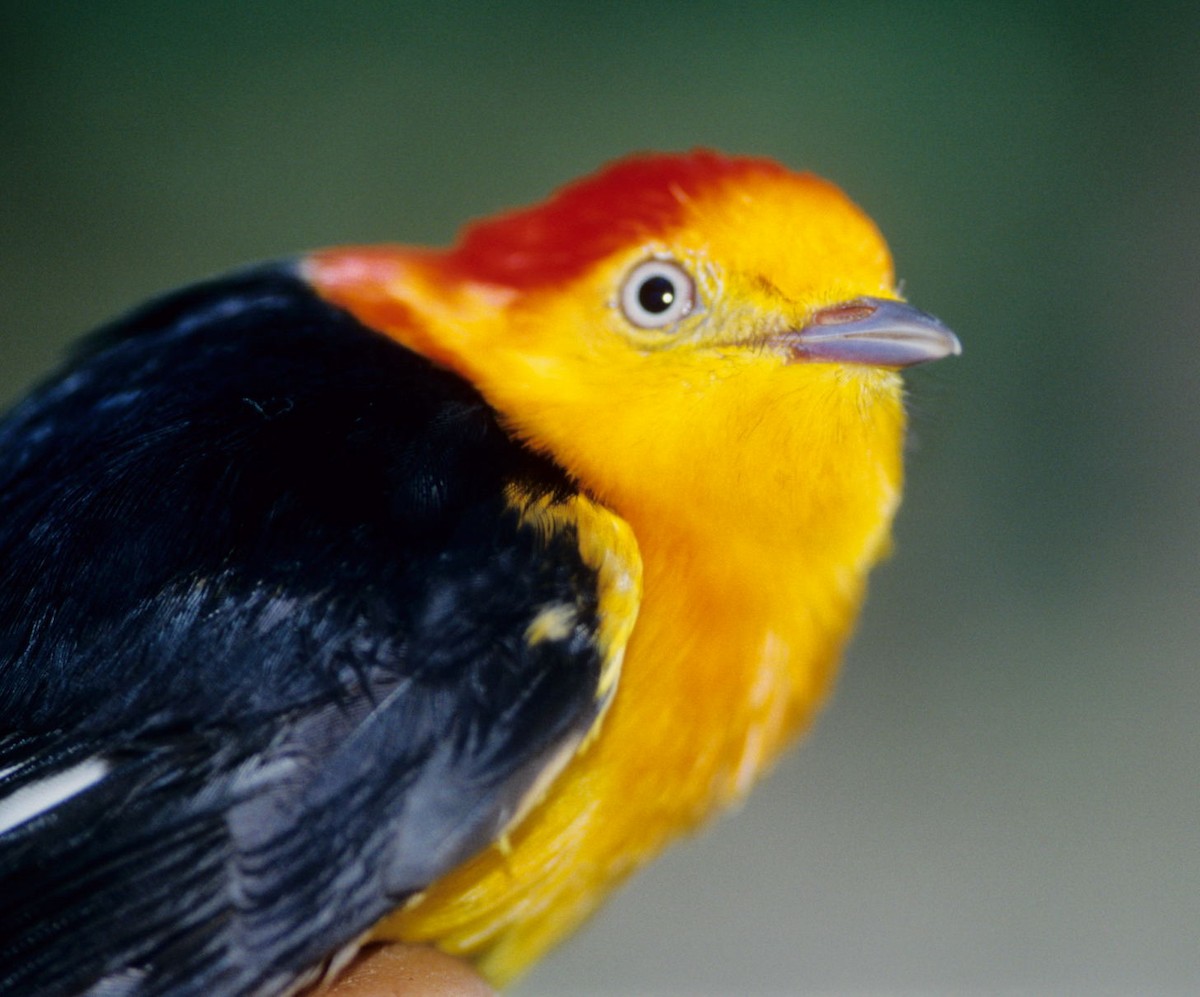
(398, 970)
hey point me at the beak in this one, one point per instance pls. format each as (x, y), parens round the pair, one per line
(872, 331)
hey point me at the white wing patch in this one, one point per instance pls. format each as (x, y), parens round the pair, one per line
(29, 801)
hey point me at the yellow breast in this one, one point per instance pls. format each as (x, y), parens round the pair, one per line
(740, 627)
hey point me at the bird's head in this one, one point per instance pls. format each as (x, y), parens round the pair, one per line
(698, 339)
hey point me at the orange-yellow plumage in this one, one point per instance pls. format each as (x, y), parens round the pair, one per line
(757, 487)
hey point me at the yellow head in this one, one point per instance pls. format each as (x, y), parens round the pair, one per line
(706, 343)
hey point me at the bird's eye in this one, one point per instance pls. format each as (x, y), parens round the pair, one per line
(657, 293)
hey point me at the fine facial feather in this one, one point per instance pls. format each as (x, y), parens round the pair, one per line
(278, 603)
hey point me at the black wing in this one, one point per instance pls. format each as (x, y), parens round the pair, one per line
(263, 658)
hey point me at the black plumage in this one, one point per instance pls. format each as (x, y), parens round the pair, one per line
(258, 569)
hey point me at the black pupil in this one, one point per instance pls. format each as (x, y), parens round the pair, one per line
(656, 295)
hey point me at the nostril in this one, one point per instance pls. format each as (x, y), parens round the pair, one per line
(847, 311)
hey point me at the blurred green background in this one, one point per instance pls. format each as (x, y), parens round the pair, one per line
(1004, 793)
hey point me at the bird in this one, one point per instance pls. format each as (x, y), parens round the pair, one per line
(389, 593)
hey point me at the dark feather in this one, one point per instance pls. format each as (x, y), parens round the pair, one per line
(256, 558)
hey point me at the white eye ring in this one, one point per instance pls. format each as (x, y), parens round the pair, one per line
(657, 293)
